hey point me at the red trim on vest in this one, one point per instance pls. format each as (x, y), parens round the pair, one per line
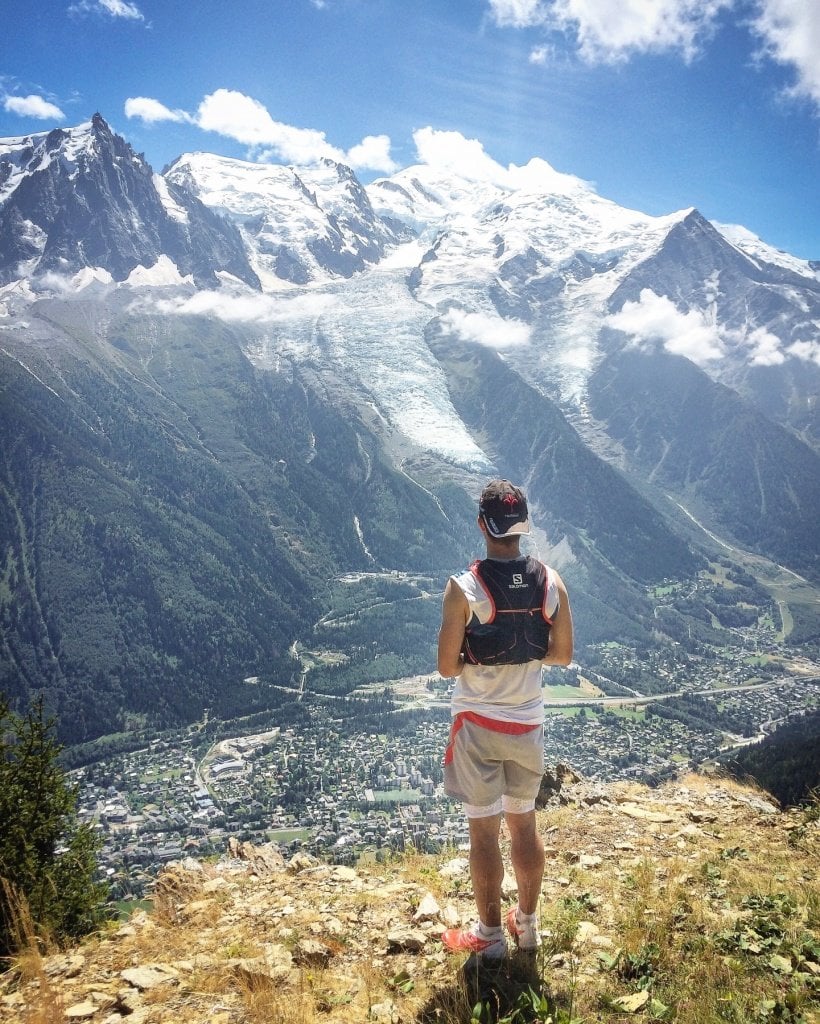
(493, 724)
(546, 594)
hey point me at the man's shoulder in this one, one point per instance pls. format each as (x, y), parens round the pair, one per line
(465, 575)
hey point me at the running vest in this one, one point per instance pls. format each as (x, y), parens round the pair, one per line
(518, 627)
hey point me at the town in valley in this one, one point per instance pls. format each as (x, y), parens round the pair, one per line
(360, 776)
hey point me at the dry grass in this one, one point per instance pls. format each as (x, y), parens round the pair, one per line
(674, 905)
(43, 1002)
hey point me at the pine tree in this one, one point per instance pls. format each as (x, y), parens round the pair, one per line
(47, 858)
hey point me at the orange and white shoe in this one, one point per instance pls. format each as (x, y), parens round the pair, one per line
(471, 940)
(524, 929)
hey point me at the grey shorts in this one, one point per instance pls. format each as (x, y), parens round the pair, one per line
(491, 771)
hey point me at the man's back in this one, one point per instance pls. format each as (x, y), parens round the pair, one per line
(512, 605)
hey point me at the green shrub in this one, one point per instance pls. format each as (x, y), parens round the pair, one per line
(47, 859)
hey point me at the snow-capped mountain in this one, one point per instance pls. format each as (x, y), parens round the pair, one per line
(255, 365)
(297, 225)
(565, 261)
(754, 247)
(548, 259)
(81, 197)
(540, 263)
(536, 266)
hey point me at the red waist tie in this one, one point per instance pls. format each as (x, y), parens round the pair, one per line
(494, 724)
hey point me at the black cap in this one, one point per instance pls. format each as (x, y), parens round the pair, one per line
(503, 508)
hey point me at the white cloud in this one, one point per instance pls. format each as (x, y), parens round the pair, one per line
(246, 120)
(807, 350)
(33, 106)
(113, 8)
(611, 30)
(790, 31)
(486, 329)
(372, 152)
(765, 348)
(240, 117)
(517, 13)
(151, 111)
(252, 308)
(655, 320)
(451, 151)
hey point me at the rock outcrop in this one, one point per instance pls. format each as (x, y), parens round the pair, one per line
(631, 873)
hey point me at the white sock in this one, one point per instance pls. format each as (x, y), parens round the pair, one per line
(523, 918)
(488, 931)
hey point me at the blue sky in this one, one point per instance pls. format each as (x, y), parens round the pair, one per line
(662, 104)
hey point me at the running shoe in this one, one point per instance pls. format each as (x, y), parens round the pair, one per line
(470, 940)
(523, 930)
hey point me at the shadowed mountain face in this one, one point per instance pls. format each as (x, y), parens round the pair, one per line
(172, 516)
(565, 481)
(766, 313)
(230, 392)
(752, 478)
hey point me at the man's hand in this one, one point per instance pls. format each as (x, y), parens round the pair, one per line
(454, 613)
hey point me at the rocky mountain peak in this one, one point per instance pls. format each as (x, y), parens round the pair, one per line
(81, 197)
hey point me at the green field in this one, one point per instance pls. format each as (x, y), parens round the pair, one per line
(624, 712)
(567, 712)
(287, 835)
(562, 692)
(399, 796)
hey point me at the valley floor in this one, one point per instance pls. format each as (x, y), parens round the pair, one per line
(344, 792)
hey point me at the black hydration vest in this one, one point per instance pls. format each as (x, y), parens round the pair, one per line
(518, 628)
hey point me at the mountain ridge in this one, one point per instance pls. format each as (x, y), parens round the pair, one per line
(99, 206)
(326, 360)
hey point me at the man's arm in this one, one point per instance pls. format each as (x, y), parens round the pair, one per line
(454, 611)
(561, 634)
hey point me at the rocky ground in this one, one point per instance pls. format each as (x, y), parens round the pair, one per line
(694, 902)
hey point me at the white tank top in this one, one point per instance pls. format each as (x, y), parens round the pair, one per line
(508, 693)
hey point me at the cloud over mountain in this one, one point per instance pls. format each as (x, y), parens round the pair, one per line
(452, 152)
(655, 319)
(33, 106)
(237, 116)
(152, 111)
(487, 329)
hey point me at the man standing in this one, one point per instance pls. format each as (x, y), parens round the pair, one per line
(502, 619)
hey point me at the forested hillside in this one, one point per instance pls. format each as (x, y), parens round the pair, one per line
(787, 763)
(172, 517)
